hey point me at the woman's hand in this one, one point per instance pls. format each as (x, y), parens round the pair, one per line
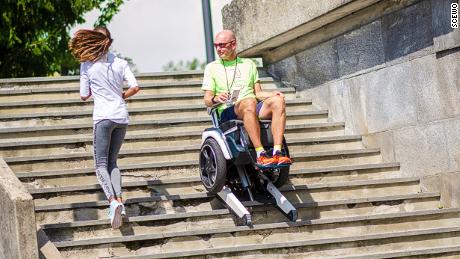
(84, 98)
(130, 92)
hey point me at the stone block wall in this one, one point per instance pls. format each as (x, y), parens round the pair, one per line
(248, 15)
(18, 237)
(395, 80)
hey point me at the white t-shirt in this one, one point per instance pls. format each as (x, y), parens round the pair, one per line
(104, 80)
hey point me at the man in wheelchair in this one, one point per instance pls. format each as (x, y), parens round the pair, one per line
(232, 85)
(228, 166)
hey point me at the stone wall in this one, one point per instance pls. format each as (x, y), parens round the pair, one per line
(248, 15)
(394, 80)
(18, 237)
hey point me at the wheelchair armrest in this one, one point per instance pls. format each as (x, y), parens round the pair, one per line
(213, 112)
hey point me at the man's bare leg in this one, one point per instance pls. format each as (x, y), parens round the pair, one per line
(246, 111)
(274, 108)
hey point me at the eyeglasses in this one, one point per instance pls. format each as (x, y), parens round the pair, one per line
(224, 44)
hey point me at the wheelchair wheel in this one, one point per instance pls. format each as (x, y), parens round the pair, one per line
(282, 178)
(284, 171)
(213, 166)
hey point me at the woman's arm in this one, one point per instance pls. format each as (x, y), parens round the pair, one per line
(130, 92)
(84, 98)
(85, 90)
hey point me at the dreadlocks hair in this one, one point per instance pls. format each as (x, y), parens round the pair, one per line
(90, 45)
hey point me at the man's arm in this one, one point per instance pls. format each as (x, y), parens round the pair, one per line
(210, 99)
(262, 95)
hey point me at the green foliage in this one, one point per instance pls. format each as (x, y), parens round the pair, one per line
(193, 64)
(108, 10)
(34, 34)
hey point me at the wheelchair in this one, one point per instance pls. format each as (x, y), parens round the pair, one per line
(228, 168)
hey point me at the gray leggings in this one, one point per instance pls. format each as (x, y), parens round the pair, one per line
(107, 140)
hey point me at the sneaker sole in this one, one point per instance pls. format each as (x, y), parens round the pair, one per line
(267, 166)
(116, 223)
(284, 165)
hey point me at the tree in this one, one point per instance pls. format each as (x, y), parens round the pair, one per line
(193, 64)
(34, 34)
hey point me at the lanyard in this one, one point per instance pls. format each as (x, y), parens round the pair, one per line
(234, 73)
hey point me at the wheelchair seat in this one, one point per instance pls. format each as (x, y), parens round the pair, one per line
(230, 124)
(233, 123)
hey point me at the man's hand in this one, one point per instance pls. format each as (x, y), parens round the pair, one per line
(212, 100)
(221, 98)
(278, 93)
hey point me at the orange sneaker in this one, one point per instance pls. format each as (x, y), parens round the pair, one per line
(281, 160)
(263, 161)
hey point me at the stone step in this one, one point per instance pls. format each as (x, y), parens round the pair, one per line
(201, 115)
(190, 153)
(292, 131)
(135, 106)
(295, 193)
(429, 243)
(160, 102)
(432, 246)
(295, 146)
(12, 96)
(183, 110)
(13, 109)
(297, 177)
(164, 210)
(73, 81)
(71, 146)
(73, 231)
(185, 168)
(170, 127)
(168, 86)
(65, 85)
(180, 121)
(384, 204)
(146, 176)
(239, 237)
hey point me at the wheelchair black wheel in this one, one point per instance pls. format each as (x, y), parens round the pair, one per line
(282, 178)
(284, 171)
(213, 166)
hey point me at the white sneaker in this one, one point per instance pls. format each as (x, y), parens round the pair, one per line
(123, 211)
(115, 214)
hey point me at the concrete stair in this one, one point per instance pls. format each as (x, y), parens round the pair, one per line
(351, 203)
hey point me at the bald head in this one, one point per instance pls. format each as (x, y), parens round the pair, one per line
(225, 36)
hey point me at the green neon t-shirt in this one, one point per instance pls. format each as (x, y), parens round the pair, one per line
(245, 76)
